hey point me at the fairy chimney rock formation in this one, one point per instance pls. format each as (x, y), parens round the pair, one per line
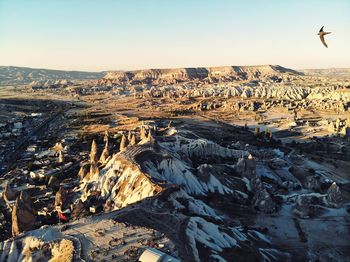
(93, 153)
(334, 196)
(133, 140)
(143, 133)
(262, 199)
(105, 153)
(94, 170)
(84, 170)
(23, 214)
(246, 167)
(61, 199)
(123, 143)
(60, 157)
(251, 166)
(106, 137)
(150, 137)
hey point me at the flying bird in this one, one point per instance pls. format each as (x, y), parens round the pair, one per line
(321, 33)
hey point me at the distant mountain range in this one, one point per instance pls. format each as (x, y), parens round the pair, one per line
(329, 72)
(13, 75)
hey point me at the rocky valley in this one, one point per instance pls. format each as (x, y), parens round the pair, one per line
(235, 163)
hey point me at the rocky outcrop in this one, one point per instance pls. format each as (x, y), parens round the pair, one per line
(94, 170)
(123, 143)
(335, 94)
(210, 74)
(53, 183)
(314, 204)
(146, 169)
(185, 144)
(84, 170)
(43, 248)
(105, 153)
(216, 240)
(60, 157)
(52, 84)
(9, 193)
(334, 196)
(93, 152)
(5, 209)
(23, 214)
(309, 205)
(61, 199)
(133, 140)
(262, 199)
(246, 167)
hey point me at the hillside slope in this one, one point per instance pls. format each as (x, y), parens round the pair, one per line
(11, 75)
(329, 72)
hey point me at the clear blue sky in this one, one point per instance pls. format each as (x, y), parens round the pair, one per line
(133, 34)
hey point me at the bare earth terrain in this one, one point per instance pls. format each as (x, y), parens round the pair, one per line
(201, 164)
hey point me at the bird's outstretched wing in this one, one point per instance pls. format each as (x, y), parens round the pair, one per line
(323, 41)
(321, 30)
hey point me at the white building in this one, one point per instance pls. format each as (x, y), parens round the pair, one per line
(155, 255)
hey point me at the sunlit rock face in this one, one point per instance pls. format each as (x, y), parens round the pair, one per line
(32, 248)
(84, 170)
(210, 74)
(146, 169)
(105, 155)
(93, 153)
(182, 169)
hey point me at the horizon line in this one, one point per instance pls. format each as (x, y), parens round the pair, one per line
(165, 68)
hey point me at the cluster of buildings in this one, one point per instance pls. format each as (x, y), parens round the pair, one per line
(13, 131)
(28, 192)
(17, 126)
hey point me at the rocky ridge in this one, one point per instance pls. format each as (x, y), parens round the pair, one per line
(209, 74)
(199, 193)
